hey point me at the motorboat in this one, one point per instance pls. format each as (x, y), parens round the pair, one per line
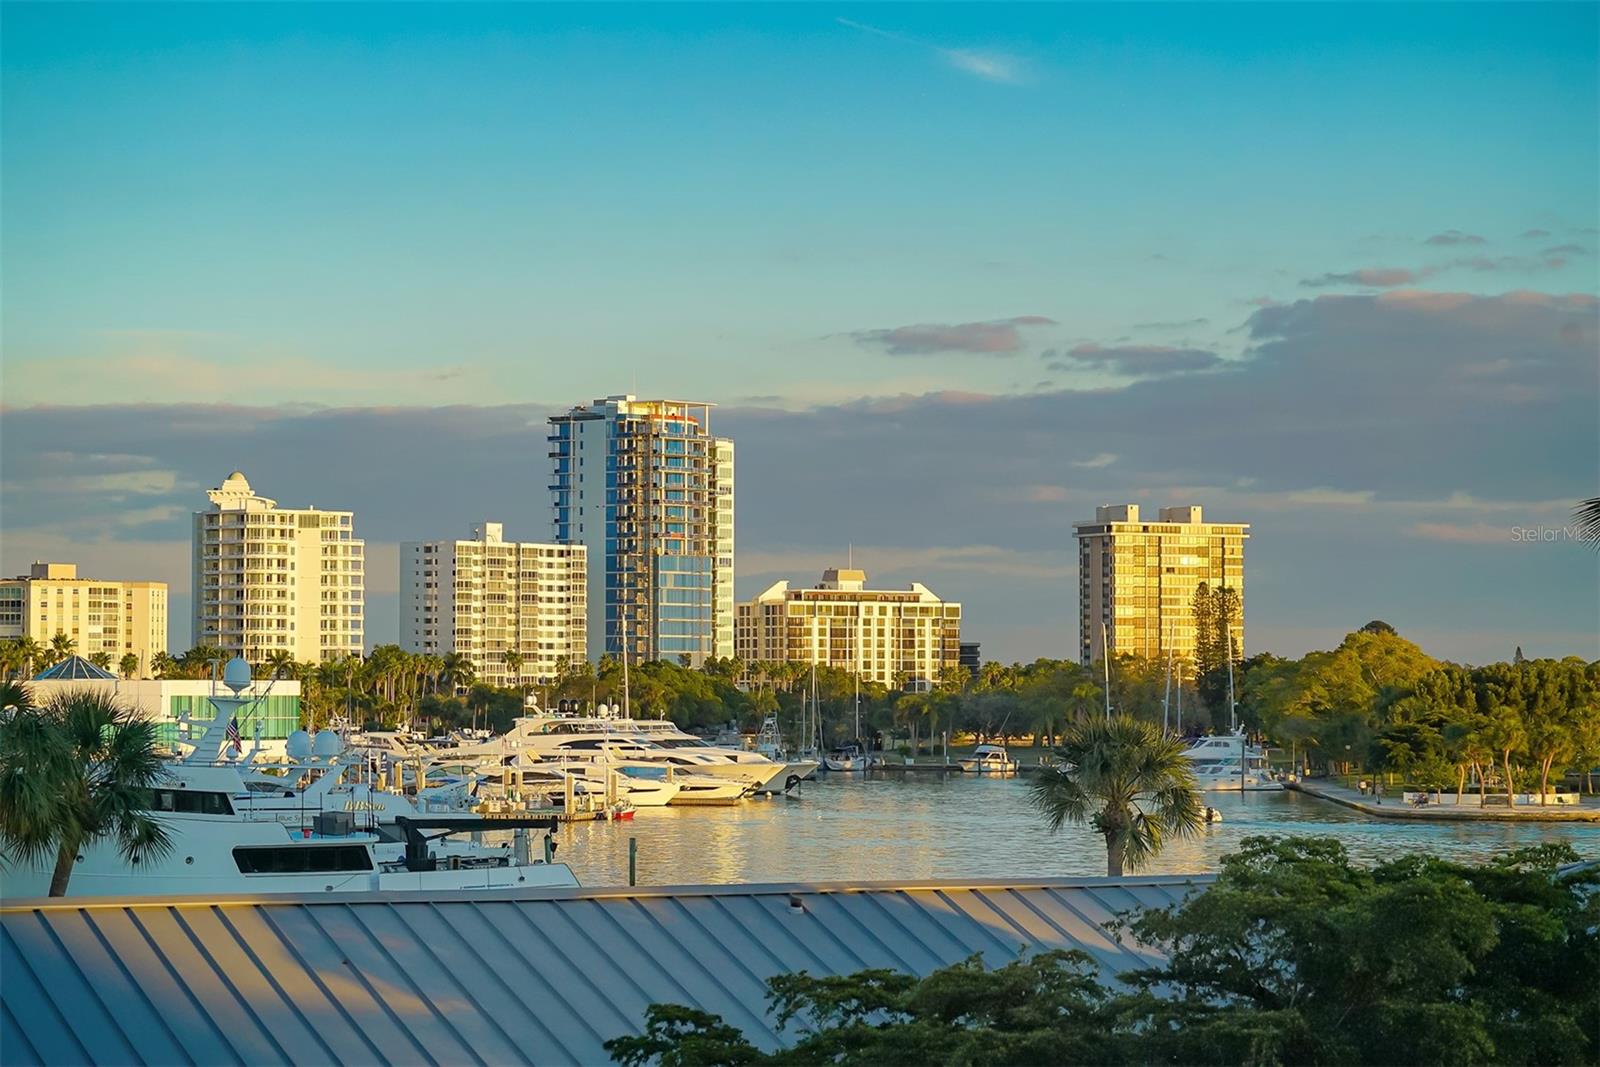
(988, 759)
(847, 758)
(693, 789)
(1228, 762)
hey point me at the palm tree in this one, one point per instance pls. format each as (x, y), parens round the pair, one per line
(73, 772)
(32, 653)
(279, 663)
(101, 660)
(458, 672)
(1587, 516)
(11, 660)
(129, 664)
(1133, 785)
(61, 646)
(514, 666)
(162, 665)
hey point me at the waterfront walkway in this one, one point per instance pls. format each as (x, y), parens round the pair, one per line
(1394, 807)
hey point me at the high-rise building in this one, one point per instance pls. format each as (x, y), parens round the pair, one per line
(647, 488)
(113, 617)
(1137, 579)
(268, 578)
(487, 596)
(900, 637)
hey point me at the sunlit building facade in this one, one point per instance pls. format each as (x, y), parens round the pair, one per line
(100, 616)
(268, 578)
(647, 489)
(908, 638)
(485, 596)
(1137, 579)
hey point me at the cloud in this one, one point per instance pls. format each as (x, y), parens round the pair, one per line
(1565, 250)
(1183, 324)
(1534, 233)
(983, 63)
(1371, 277)
(1454, 237)
(1136, 359)
(998, 338)
(1475, 533)
(1099, 459)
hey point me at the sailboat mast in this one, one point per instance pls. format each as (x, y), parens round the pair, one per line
(1233, 717)
(1166, 694)
(627, 707)
(1105, 662)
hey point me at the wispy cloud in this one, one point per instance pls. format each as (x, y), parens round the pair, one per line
(983, 63)
(1100, 459)
(1371, 277)
(1000, 337)
(1134, 359)
(1455, 237)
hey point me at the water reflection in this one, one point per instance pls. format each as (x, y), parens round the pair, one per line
(848, 829)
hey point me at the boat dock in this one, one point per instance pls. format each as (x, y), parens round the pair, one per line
(1397, 808)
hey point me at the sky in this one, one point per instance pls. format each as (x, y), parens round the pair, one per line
(953, 275)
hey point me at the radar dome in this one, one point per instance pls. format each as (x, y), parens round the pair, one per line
(236, 675)
(327, 744)
(298, 745)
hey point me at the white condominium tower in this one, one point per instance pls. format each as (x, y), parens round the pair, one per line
(269, 578)
(487, 596)
(113, 617)
(908, 638)
(649, 491)
(1136, 579)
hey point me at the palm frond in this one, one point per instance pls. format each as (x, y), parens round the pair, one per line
(1586, 515)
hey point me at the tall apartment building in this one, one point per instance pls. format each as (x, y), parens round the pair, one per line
(904, 637)
(1136, 579)
(487, 596)
(99, 615)
(269, 578)
(649, 491)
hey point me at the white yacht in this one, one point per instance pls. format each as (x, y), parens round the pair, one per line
(847, 758)
(233, 829)
(1230, 762)
(989, 759)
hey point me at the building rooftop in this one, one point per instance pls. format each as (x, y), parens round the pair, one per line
(507, 976)
(74, 669)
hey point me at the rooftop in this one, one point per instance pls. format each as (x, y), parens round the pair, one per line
(507, 976)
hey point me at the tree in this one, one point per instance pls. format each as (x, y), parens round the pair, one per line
(457, 672)
(1587, 515)
(279, 663)
(129, 664)
(162, 665)
(1127, 781)
(513, 660)
(101, 659)
(33, 655)
(75, 771)
(1506, 736)
(61, 646)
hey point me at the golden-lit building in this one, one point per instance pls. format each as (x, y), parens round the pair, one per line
(99, 615)
(1137, 579)
(905, 637)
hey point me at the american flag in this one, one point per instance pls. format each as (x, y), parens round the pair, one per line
(233, 735)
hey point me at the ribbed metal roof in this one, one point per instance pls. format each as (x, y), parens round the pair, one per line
(491, 977)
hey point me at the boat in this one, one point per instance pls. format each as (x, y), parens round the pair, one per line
(1228, 762)
(989, 759)
(847, 758)
(235, 829)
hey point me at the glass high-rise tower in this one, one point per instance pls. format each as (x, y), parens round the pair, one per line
(647, 488)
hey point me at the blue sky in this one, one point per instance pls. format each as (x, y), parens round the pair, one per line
(813, 214)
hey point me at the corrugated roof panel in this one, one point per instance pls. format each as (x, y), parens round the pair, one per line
(499, 977)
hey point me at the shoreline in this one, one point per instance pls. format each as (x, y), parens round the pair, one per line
(1401, 810)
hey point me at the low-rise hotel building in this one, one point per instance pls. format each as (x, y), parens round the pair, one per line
(900, 637)
(100, 615)
(486, 596)
(1137, 579)
(268, 578)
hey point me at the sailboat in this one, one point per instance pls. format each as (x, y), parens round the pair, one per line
(846, 757)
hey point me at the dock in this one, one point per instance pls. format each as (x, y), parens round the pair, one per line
(1396, 808)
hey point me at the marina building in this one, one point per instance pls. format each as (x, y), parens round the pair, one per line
(181, 708)
(647, 489)
(906, 638)
(268, 578)
(485, 596)
(1137, 579)
(100, 615)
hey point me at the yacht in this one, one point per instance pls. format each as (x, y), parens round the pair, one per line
(989, 759)
(234, 829)
(847, 758)
(1229, 762)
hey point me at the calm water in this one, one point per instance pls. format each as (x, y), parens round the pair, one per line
(843, 828)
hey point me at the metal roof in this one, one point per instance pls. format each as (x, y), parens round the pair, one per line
(506, 976)
(74, 668)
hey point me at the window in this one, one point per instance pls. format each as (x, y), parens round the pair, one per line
(302, 859)
(190, 803)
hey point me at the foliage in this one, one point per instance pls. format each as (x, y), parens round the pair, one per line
(1293, 955)
(1128, 781)
(74, 771)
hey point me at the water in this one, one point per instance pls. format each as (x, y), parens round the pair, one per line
(845, 828)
